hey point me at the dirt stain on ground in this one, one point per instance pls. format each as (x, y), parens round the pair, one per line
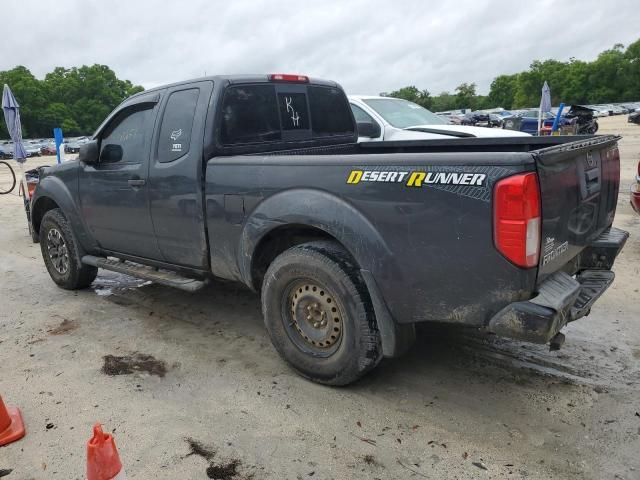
(218, 471)
(134, 363)
(371, 460)
(65, 326)
(224, 471)
(199, 449)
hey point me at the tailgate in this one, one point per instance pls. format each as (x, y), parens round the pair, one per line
(579, 183)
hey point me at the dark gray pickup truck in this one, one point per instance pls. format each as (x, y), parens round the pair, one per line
(259, 179)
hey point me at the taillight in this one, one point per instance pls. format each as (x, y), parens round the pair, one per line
(31, 187)
(516, 219)
(287, 77)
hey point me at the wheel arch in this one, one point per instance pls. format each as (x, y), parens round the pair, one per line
(40, 207)
(300, 215)
(51, 193)
(278, 240)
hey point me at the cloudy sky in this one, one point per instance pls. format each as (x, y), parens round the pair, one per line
(368, 46)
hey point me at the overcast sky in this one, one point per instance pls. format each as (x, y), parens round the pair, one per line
(368, 46)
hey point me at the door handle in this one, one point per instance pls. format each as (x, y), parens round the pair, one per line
(136, 182)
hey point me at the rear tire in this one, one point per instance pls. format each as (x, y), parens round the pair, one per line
(61, 255)
(319, 315)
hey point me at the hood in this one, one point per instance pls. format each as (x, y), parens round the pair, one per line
(458, 131)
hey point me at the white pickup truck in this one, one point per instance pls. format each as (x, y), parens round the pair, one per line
(388, 118)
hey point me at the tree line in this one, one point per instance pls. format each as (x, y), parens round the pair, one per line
(75, 99)
(614, 76)
(78, 99)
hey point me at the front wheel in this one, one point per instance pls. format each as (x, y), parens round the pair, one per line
(318, 313)
(60, 253)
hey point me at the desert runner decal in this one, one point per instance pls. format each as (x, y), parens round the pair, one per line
(417, 178)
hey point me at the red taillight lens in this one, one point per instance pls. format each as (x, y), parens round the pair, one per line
(516, 219)
(287, 77)
(31, 187)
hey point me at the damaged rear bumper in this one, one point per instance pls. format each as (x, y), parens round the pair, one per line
(561, 298)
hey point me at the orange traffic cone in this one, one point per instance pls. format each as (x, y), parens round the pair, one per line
(103, 461)
(11, 424)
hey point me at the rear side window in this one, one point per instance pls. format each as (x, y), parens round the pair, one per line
(177, 122)
(330, 112)
(250, 115)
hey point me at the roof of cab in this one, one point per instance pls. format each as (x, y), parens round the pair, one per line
(235, 79)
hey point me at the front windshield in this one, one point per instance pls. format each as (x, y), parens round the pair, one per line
(402, 113)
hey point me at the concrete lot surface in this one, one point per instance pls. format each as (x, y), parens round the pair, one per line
(202, 394)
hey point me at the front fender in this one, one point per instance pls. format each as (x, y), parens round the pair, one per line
(56, 189)
(324, 211)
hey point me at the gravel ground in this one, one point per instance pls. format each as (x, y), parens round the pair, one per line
(192, 388)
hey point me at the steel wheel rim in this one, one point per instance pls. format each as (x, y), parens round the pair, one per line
(58, 252)
(313, 318)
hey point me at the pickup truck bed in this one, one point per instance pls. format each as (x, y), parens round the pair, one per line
(349, 244)
(431, 250)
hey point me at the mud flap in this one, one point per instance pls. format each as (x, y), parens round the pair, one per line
(396, 339)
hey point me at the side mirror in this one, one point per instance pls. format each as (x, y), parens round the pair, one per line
(368, 129)
(111, 153)
(89, 152)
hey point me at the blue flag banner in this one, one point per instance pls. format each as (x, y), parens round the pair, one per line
(59, 138)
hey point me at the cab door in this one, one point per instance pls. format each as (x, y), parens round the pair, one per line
(176, 172)
(114, 191)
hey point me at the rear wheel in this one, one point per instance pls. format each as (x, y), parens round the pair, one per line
(319, 315)
(60, 253)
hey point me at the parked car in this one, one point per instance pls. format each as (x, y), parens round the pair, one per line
(599, 110)
(586, 124)
(6, 152)
(478, 119)
(387, 118)
(634, 117)
(73, 146)
(503, 113)
(495, 120)
(260, 179)
(527, 121)
(49, 149)
(32, 150)
(7, 148)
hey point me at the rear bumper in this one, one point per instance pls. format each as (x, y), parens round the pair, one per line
(561, 298)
